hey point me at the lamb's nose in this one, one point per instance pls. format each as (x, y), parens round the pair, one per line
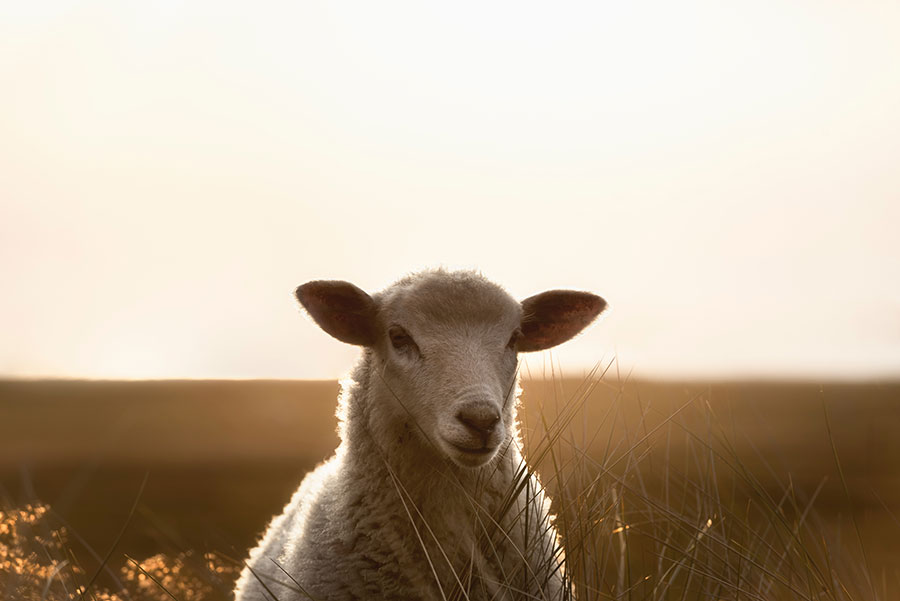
(480, 419)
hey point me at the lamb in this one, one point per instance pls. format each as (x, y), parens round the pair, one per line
(428, 495)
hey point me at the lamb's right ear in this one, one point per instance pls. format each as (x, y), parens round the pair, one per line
(341, 309)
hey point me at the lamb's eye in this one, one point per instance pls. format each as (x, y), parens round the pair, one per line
(513, 339)
(400, 339)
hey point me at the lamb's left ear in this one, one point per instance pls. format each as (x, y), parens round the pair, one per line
(552, 317)
(341, 309)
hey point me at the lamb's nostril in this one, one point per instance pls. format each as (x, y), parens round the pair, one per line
(481, 421)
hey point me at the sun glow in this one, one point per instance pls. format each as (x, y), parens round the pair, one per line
(724, 174)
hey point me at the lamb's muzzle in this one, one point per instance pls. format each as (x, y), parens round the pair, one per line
(480, 419)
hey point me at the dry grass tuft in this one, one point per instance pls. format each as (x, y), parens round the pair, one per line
(37, 563)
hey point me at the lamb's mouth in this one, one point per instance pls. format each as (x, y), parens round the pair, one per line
(476, 452)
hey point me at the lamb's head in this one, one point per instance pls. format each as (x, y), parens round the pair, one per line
(445, 348)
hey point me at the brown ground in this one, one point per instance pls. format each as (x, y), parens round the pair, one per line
(223, 456)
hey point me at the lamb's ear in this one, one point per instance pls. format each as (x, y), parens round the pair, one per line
(552, 317)
(341, 309)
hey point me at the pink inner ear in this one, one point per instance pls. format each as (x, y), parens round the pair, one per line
(341, 309)
(553, 317)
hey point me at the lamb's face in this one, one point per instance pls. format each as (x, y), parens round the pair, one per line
(444, 346)
(447, 355)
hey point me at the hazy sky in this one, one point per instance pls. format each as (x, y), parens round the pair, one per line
(726, 174)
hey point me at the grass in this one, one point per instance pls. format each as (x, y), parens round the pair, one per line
(653, 501)
(39, 561)
(637, 527)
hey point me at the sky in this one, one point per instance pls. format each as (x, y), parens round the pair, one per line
(724, 174)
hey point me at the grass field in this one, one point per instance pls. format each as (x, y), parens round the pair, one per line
(221, 457)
